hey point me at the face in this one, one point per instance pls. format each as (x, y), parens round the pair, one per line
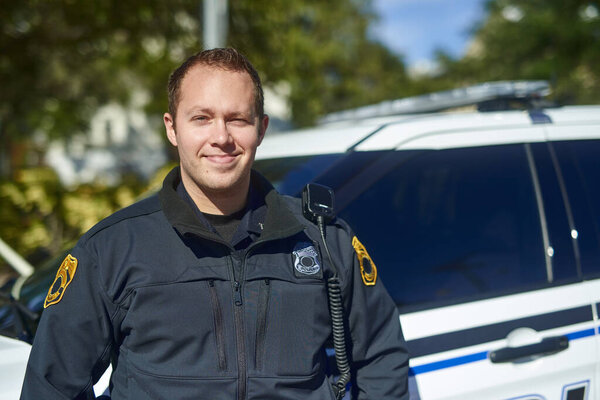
(216, 131)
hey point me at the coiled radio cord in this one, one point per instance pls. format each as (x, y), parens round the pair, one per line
(336, 310)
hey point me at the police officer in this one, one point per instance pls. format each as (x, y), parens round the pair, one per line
(215, 287)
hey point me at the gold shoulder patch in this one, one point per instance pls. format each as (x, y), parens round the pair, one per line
(368, 270)
(64, 276)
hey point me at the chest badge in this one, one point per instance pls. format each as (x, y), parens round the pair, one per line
(64, 276)
(306, 261)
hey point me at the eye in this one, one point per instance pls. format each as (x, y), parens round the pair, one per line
(200, 118)
(239, 121)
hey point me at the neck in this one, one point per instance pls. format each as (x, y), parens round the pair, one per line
(217, 202)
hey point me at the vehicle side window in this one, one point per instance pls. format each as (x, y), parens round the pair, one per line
(453, 225)
(580, 167)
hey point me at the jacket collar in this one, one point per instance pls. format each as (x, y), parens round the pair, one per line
(279, 221)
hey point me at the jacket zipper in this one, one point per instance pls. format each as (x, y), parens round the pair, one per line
(239, 319)
(261, 323)
(218, 320)
(238, 311)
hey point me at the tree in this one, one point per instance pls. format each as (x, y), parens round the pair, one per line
(321, 49)
(524, 39)
(62, 59)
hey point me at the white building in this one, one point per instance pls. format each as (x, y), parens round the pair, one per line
(120, 141)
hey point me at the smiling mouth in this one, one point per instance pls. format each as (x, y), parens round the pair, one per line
(222, 159)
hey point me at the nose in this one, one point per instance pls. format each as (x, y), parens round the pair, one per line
(220, 135)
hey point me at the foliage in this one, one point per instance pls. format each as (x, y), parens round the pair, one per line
(554, 40)
(321, 49)
(61, 59)
(30, 209)
(39, 218)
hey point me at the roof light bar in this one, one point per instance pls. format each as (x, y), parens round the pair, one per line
(438, 101)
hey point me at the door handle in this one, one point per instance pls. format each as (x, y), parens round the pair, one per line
(547, 346)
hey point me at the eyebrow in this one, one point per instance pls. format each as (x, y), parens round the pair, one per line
(250, 114)
(195, 110)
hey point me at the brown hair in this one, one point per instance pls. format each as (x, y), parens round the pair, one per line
(228, 59)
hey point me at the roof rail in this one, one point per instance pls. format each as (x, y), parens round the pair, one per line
(439, 101)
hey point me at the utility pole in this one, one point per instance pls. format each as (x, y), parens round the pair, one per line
(215, 23)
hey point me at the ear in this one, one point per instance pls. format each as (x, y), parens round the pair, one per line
(263, 128)
(170, 128)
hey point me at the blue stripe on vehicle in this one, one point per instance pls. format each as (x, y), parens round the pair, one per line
(449, 363)
(483, 355)
(489, 333)
(580, 334)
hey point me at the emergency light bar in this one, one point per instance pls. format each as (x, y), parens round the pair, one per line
(438, 101)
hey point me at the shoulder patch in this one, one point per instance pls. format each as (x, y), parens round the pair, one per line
(368, 270)
(64, 276)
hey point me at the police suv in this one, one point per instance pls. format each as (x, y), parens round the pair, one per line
(484, 226)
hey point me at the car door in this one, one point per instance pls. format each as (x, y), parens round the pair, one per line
(470, 247)
(575, 150)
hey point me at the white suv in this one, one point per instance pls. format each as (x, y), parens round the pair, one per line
(485, 228)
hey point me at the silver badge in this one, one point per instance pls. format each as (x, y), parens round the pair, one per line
(306, 262)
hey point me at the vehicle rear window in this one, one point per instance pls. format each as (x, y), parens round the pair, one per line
(450, 225)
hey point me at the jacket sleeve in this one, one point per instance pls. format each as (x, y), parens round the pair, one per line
(379, 357)
(73, 341)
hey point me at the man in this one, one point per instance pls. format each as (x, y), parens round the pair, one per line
(198, 292)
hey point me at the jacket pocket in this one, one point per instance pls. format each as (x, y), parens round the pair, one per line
(142, 385)
(218, 321)
(291, 341)
(261, 323)
(179, 329)
(298, 328)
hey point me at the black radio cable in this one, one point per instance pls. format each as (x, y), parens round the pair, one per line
(336, 309)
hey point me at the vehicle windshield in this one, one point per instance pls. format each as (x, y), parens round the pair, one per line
(289, 174)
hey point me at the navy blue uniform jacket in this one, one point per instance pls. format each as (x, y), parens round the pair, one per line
(181, 315)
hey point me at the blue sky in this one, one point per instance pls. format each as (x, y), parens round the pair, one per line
(416, 28)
